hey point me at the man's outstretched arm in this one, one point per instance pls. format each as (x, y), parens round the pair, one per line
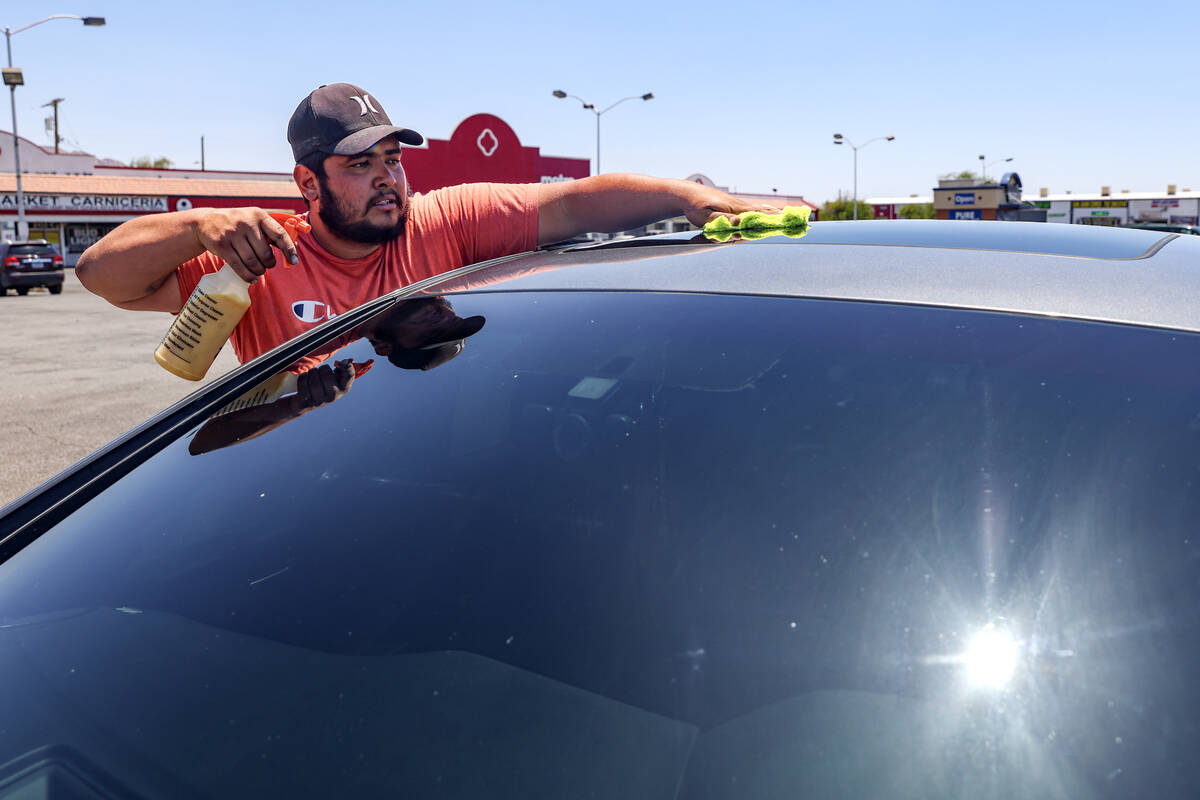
(134, 266)
(619, 202)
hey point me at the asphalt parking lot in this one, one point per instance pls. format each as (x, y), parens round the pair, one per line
(78, 372)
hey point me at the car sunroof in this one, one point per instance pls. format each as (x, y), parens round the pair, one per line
(1045, 238)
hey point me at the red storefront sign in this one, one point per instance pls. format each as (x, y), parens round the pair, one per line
(484, 148)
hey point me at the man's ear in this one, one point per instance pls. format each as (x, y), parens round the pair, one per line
(306, 181)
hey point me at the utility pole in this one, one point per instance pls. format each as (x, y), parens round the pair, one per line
(202, 154)
(55, 103)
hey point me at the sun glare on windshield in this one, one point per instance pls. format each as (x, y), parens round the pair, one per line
(991, 658)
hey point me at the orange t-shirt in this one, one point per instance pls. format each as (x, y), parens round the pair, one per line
(447, 229)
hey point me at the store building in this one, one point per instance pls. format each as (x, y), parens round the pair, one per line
(1121, 208)
(72, 199)
(484, 148)
(973, 199)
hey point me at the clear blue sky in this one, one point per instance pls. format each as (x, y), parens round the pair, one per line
(1080, 94)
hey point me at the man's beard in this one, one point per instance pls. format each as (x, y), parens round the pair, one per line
(337, 217)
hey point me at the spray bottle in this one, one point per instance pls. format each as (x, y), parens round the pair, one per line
(278, 386)
(210, 314)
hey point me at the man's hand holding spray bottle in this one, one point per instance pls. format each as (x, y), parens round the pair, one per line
(210, 314)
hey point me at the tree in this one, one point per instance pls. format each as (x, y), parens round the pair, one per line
(964, 175)
(917, 211)
(162, 162)
(843, 208)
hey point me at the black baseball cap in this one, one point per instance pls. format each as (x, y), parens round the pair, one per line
(446, 341)
(341, 119)
(421, 332)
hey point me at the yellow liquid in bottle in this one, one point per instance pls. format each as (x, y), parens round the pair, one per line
(204, 324)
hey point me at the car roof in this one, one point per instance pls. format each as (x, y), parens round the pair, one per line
(1121, 275)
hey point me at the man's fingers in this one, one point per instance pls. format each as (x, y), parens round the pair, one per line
(261, 246)
(303, 393)
(244, 238)
(734, 219)
(310, 386)
(344, 371)
(244, 261)
(234, 259)
(278, 236)
(323, 385)
(328, 384)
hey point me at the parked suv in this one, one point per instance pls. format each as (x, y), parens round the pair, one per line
(27, 264)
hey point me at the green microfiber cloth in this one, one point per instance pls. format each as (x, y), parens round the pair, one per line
(791, 222)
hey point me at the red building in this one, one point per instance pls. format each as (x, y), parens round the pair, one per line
(484, 148)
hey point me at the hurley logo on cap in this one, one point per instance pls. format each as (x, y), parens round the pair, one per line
(364, 102)
(342, 119)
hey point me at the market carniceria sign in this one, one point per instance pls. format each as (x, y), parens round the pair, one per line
(85, 202)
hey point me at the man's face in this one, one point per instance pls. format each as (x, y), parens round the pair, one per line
(365, 197)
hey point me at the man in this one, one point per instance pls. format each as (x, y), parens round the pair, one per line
(369, 234)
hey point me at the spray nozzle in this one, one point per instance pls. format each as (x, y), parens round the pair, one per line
(291, 223)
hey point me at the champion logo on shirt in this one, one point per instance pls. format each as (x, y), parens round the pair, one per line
(311, 311)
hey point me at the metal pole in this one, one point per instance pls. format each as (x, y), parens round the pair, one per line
(22, 228)
(597, 142)
(855, 201)
(202, 154)
(55, 102)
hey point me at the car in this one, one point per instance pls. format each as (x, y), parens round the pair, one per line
(28, 264)
(896, 508)
(1167, 227)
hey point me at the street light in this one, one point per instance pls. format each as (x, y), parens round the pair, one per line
(992, 164)
(560, 94)
(13, 78)
(839, 139)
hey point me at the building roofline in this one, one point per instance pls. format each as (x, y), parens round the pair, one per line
(896, 201)
(286, 175)
(1115, 196)
(31, 143)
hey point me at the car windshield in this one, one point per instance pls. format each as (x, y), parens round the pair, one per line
(31, 250)
(647, 545)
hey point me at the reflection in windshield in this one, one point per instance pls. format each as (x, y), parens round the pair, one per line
(667, 546)
(421, 333)
(989, 660)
